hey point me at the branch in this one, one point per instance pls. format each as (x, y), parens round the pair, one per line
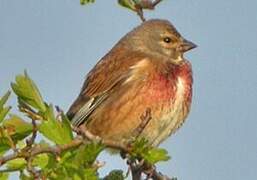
(137, 167)
(107, 143)
(36, 150)
(58, 149)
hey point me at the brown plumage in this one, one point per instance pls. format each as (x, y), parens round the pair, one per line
(145, 69)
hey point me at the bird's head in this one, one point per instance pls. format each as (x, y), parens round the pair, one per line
(159, 37)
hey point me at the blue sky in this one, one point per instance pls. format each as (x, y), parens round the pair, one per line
(58, 42)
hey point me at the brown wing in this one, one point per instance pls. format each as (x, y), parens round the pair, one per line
(111, 71)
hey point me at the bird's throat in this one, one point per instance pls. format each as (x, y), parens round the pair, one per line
(164, 84)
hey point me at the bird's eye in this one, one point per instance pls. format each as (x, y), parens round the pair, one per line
(167, 39)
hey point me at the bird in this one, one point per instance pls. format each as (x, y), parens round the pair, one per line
(146, 69)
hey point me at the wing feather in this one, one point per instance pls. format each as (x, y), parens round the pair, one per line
(110, 72)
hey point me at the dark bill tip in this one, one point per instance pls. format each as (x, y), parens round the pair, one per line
(187, 45)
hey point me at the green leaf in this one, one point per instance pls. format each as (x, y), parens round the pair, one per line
(17, 128)
(13, 130)
(115, 174)
(130, 4)
(67, 167)
(4, 176)
(3, 147)
(42, 160)
(90, 174)
(21, 144)
(5, 143)
(4, 99)
(86, 155)
(68, 170)
(27, 91)
(4, 110)
(150, 154)
(156, 155)
(139, 147)
(83, 2)
(54, 130)
(67, 126)
(16, 164)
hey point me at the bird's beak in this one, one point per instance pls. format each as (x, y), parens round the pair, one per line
(186, 46)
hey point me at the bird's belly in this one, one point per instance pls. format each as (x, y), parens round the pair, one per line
(170, 119)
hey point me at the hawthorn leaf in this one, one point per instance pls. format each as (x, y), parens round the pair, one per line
(67, 125)
(55, 130)
(152, 155)
(27, 91)
(42, 160)
(86, 155)
(4, 110)
(5, 143)
(4, 99)
(114, 174)
(17, 128)
(155, 155)
(16, 164)
(129, 4)
(4, 176)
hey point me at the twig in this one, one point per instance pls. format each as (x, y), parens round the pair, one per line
(31, 169)
(145, 119)
(158, 176)
(140, 13)
(23, 107)
(12, 144)
(31, 140)
(35, 174)
(136, 168)
(58, 149)
(108, 143)
(145, 4)
(35, 150)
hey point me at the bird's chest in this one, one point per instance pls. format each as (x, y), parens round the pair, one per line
(170, 99)
(166, 89)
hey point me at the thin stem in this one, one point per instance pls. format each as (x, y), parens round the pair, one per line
(145, 119)
(145, 4)
(31, 169)
(140, 13)
(31, 141)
